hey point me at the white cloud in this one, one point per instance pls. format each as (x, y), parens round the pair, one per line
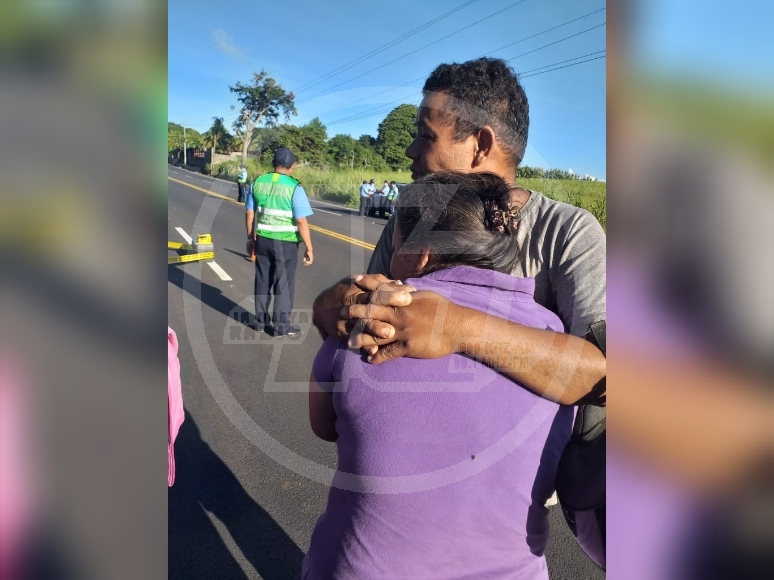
(224, 43)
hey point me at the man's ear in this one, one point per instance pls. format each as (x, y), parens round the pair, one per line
(485, 142)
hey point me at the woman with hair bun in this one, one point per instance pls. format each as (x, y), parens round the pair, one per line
(444, 465)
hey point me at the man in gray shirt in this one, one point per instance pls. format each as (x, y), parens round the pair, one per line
(475, 117)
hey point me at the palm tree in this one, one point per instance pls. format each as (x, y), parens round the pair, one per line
(216, 136)
(195, 141)
(175, 142)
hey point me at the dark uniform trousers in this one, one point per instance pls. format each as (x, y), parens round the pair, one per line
(275, 273)
(365, 205)
(242, 196)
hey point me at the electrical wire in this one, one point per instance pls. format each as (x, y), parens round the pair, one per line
(379, 50)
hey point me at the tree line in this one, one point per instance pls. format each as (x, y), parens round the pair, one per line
(257, 133)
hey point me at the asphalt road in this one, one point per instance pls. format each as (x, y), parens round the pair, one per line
(252, 478)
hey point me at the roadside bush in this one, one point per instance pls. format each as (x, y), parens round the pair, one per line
(218, 169)
(206, 169)
(599, 210)
(350, 199)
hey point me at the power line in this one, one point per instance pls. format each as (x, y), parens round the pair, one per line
(369, 55)
(418, 49)
(358, 115)
(565, 66)
(546, 30)
(520, 76)
(381, 109)
(523, 74)
(556, 42)
(490, 52)
(371, 112)
(373, 95)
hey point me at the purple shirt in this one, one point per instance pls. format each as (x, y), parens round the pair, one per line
(444, 465)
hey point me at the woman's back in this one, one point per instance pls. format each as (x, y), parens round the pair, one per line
(458, 461)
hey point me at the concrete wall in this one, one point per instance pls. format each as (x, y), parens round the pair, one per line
(222, 158)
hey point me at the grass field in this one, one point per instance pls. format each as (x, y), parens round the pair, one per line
(342, 186)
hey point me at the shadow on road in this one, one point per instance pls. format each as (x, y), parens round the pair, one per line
(237, 253)
(203, 483)
(207, 294)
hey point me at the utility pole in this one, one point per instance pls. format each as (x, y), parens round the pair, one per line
(185, 147)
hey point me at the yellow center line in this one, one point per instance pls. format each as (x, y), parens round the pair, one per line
(330, 233)
(208, 192)
(353, 241)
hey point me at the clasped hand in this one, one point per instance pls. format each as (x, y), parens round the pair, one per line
(388, 319)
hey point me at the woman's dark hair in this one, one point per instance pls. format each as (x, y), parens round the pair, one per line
(463, 218)
(485, 91)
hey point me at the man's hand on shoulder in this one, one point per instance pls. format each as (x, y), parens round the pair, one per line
(426, 327)
(388, 319)
(357, 289)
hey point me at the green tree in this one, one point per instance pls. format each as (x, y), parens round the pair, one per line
(261, 101)
(217, 137)
(396, 132)
(174, 140)
(366, 141)
(193, 139)
(366, 155)
(262, 139)
(287, 136)
(312, 148)
(341, 151)
(527, 172)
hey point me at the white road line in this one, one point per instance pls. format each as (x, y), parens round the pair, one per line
(339, 206)
(184, 235)
(219, 271)
(330, 212)
(214, 265)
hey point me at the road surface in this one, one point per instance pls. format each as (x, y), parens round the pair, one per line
(252, 478)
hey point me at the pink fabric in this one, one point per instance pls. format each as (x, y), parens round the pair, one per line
(16, 478)
(174, 402)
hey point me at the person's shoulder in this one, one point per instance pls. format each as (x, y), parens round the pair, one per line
(288, 178)
(542, 210)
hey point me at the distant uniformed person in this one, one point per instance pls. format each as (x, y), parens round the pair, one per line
(384, 193)
(371, 192)
(242, 184)
(392, 197)
(364, 198)
(276, 213)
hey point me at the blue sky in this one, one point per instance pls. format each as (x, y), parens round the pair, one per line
(215, 44)
(710, 41)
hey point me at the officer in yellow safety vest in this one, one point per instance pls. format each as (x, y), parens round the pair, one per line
(242, 184)
(276, 213)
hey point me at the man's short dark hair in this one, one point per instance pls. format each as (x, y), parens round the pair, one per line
(485, 91)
